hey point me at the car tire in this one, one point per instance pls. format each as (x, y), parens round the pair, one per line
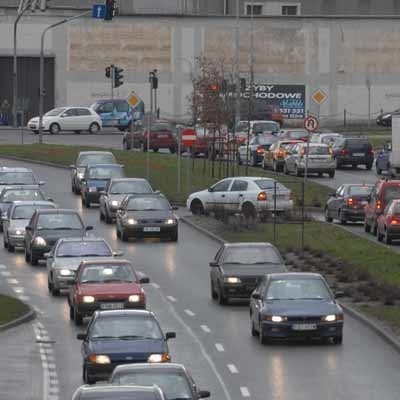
(239, 160)
(125, 145)
(378, 171)
(367, 227)
(94, 128)
(27, 256)
(248, 210)
(297, 171)
(107, 218)
(275, 166)
(253, 329)
(379, 236)
(87, 378)
(262, 339)
(77, 132)
(118, 232)
(332, 174)
(33, 260)
(78, 319)
(386, 238)
(174, 236)
(172, 150)
(155, 149)
(5, 244)
(87, 203)
(71, 313)
(337, 340)
(374, 228)
(124, 236)
(368, 166)
(263, 166)
(327, 217)
(196, 207)
(54, 291)
(101, 216)
(213, 293)
(285, 170)
(222, 300)
(54, 129)
(252, 160)
(10, 248)
(342, 220)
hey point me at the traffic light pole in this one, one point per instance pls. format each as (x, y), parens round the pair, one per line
(112, 72)
(41, 77)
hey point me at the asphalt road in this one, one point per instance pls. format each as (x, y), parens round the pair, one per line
(214, 342)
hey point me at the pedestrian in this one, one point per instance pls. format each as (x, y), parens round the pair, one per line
(4, 108)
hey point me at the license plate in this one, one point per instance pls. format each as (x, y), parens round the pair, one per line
(304, 327)
(151, 229)
(358, 154)
(111, 306)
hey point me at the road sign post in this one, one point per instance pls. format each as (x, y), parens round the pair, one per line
(99, 11)
(189, 138)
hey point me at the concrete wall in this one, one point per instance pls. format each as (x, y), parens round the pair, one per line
(335, 55)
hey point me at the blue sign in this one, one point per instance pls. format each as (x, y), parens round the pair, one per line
(99, 11)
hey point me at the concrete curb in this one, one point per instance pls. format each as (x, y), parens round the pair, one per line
(202, 230)
(29, 316)
(27, 160)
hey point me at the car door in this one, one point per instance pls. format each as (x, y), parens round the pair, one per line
(269, 154)
(218, 198)
(290, 159)
(104, 198)
(106, 112)
(83, 119)
(337, 201)
(215, 272)
(68, 120)
(237, 194)
(370, 207)
(29, 231)
(256, 304)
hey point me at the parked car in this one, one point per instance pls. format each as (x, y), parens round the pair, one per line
(383, 158)
(237, 267)
(75, 119)
(116, 190)
(173, 379)
(347, 203)
(17, 218)
(293, 134)
(320, 160)
(325, 138)
(382, 194)
(257, 145)
(353, 151)
(105, 284)
(84, 159)
(95, 180)
(18, 176)
(63, 260)
(274, 157)
(388, 223)
(146, 215)
(113, 113)
(128, 392)
(248, 195)
(385, 119)
(117, 336)
(46, 226)
(295, 306)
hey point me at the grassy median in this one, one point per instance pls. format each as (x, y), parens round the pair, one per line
(11, 308)
(164, 170)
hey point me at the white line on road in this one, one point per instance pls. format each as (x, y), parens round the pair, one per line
(170, 298)
(5, 273)
(12, 281)
(156, 285)
(219, 347)
(232, 368)
(24, 298)
(18, 289)
(205, 328)
(245, 391)
(3, 267)
(189, 312)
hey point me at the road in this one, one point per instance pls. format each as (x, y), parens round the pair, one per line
(214, 342)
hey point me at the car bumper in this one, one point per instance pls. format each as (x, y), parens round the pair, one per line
(394, 233)
(353, 214)
(16, 241)
(281, 205)
(87, 309)
(316, 168)
(355, 160)
(93, 197)
(143, 231)
(39, 252)
(238, 291)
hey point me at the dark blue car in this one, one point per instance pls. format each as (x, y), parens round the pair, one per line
(120, 337)
(383, 159)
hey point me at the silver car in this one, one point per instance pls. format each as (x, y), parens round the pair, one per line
(17, 218)
(320, 160)
(116, 191)
(63, 260)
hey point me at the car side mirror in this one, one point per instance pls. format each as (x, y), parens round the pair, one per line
(339, 294)
(170, 335)
(41, 183)
(202, 394)
(117, 253)
(213, 264)
(89, 228)
(81, 336)
(72, 166)
(210, 189)
(144, 280)
(256, 296)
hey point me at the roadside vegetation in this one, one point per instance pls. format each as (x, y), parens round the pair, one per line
(11, 308)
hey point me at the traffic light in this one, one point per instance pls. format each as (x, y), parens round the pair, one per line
(108, 72)
(110, 10)
(214, 88)
(118, 77)
(153, 79)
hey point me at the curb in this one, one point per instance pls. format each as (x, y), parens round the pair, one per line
(202, 230)
(27, 160)
(29, 316)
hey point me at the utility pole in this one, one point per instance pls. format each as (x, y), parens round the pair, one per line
(153, 85)
(237, 73)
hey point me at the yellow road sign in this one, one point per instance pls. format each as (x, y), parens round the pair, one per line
(319, 96)
(133, 100)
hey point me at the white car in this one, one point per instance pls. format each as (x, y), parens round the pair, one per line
(257, 127)
(325, 138)
(248, 195)
(75, 119)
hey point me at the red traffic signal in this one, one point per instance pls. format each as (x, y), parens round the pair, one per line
(214, 87)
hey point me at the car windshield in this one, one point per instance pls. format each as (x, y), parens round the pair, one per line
(360, 190)
(318, 150)
(298, 134)
(98, 158)
(269, 184)
(9, 196)
(161, 127)
(17, 178)
(121, 106)
(174, 384)
(251, 255)
(91, 248)
(105, 172)
(105, 273)
(55, 112)
(265, 126)
(297, 289)
(130, 187)
(59, 221)
(126, 327)
(391, 192)
(148, 204)
(329, 139)
(26, 211)
(242, 126)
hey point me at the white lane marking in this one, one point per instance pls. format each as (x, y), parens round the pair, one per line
(232, 368)
(12, 281)
(5, 273)
(18, 289)
(205, 328)
(24, 298)
(38, 310)
(156, 285)
(189, 312)
(219, 347)
(245, 391)
(173, 299)
(3, 267)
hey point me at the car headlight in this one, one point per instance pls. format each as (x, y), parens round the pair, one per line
(232, 279)
(114, 203)
(65, 272)
(92, 189)
(88, 299)
(131, 221)
(17, 232)
(159, 358)
(80, 175)
(134, 298)
(99, 359)
(170, 221)
(39, 241)
(332, 318)
(275, 318)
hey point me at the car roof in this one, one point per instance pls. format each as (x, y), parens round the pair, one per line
(250, 178)
(106, 260)
(125, 312)
(358, 184)
(83, 239)
(57, 211)
(150, 366)
(107, 100)
(105, 388)
(94, 152)
(34, 203)
(295, 275)
(261, 121)
(314, 144)
(154, 194)
(128, 179)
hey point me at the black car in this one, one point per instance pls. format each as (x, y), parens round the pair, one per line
(295, 305)
(46, 227)
(173, 379)
(385, 119)
(237, 268)
(347, 203)
(84, 159)
(95, 180)
(107, 392)
(353, 151)
(146, 215)
(122, 337)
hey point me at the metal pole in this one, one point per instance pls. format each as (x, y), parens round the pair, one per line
(369, 102)
(112, 71)
(179, 158)
(275, 212)
(188, 171)
(302, 218)
(304, 187)
(148, 133)
(237, 74)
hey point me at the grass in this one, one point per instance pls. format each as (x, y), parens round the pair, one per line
(10, 309)
(164, 170)
(388, 314)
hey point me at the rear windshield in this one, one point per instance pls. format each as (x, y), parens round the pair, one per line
(127, 187)
(26, 211)
(265, 126)
(269, 184)
(87, 159)
(357, 144)
(266, 139)
(105, 173)
(84, 249)
(161, 127)
(360, 190)
(9, 196)
(329, 139)
(391, 193)
(297, 135)
(17, 178)
(251, 255)
(318, 150)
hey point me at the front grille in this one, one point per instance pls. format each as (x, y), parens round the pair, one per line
(304, 319)
(150, 221)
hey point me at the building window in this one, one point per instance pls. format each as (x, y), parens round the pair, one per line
(257, 9)
(289, 10)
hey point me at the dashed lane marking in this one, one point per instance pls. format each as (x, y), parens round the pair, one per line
(205, 328)
(232, 369)
(189, 312)
(5, 273)
(156, 285)
(24, 298)
(18, 289)
(245, 391)
(173, 299)
(12, 281)
(219, 347)
(3, 266)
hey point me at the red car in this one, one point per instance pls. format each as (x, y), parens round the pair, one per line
(105, 285)
(388, 223)
(382, 194)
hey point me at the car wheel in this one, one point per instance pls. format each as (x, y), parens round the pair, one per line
(33, 260)
(10, 248)
(71, 313)
(87, 378)
(155, 149)
(341, 218)
(297, 171)
(253, 327)
(107, 218)
(54, 291)
(379, 235)
(87, 203)
(263, 339)
(5, 244)
(285, 169)
(78, 319)
(101, 216)
(125, 145)
(54, 129)
(239, 160)
(378, 171)
(263, 166)
(248, 210)
(222, 300)
(174, 236)
(354, 166)
(332, 174)
(368, 166)
(374, 228)
(213, 293)
(27, 256)
(36, 132)
(367, 227)
(77, 132)
(337, 339)
(327, 217)
(253, 161)
(196, 207)
(386, 238)
(118, 233)
(124, 236)
(172, 150)
(275, 166)
(94, 128)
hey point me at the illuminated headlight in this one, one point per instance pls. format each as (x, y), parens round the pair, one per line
(92, 189)
(39, 241)
(17, 232)
(99, 359)
(134, 298)
(276, 318)
(114, 203)
(159, 358)
(332, 318)
(131, 221)
(88, 299)
(170, 221)
(232, 279)
(80, 175)
(65, 272)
